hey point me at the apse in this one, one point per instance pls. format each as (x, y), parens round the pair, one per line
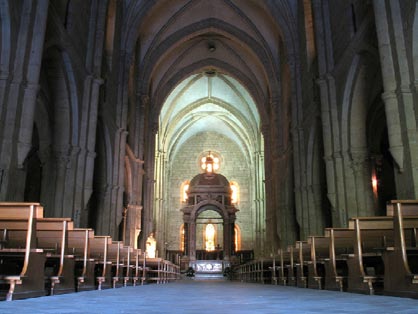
(209, 113)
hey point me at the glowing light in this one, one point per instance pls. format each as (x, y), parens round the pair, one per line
(210, 237)
(185, 189)
(235, 193)
(209, 163)
(374, 184)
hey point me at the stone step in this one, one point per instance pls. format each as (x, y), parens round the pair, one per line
(209, 276)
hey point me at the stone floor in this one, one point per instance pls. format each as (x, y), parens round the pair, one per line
(210, 296)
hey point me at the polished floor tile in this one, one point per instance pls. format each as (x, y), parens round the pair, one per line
(208, 296)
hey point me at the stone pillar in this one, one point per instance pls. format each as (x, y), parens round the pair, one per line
(362, 179)
(399, 88)
(329, 114)
(18, 89)
(228, 226)
(87, 155)
(133, 225)
(57, 188)
(192, 240)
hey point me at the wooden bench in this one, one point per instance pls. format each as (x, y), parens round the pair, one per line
(173, 271)
(52, 237)
(136, 267)
(341, 245)
(22, 271)
(128, 265)
(402, 258)
(78, 245)
(365, 266)
(99, 252)
(409, 207)
(281, 268)
(274, 270)
(289, 264)
(303, 259)
(266, 270)
(319, 249)
(113, 252)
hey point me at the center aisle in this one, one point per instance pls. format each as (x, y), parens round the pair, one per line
(210, 296)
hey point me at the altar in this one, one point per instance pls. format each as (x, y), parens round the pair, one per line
(209, 269)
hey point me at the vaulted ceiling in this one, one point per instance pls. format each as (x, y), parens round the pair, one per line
(209, 102)
(173, 40)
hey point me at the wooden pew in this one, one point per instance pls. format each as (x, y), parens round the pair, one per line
(173, 271)
(113, 252)
(282, 267)
(289, 264)
(22, 271)
(78, 245)
(365, 265)
(409, 207)
(273, 270)
(341, 245)
(103, 267)
(157, 270)
(319, 249)
(303, 255)
(402, 258)
(128, 265)
(52, 237)
(266, 270)
(241, 272)
(137, 269)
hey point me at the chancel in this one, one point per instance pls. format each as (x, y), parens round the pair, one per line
(208, 205)
(272, 141)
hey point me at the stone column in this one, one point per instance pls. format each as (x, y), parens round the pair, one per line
(57, 188)
(133, 225)
(18, 91)
(398, 83)
(228, 226)
(192, 240)
(362, 179)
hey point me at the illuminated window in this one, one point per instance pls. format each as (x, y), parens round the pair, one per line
(210, 237)
(182, 238)
(234, 192)
(237, 238)
(184, 188)
(209, 163)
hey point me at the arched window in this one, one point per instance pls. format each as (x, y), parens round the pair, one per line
(182, 238)
(184, 188)
(235, 192)
(237, 237)
(210, 237)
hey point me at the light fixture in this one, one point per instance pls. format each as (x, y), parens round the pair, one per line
(210, 163)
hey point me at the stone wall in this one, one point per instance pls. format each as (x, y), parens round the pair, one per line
(234, 166)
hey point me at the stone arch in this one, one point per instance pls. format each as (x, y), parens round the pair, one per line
(190, 215)
(318, 213)
(44, 131)
(59, 95)
(198, 67)
(200, 207)
(60, 80)
(356, 103)
(100, 211)
(216, 27)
